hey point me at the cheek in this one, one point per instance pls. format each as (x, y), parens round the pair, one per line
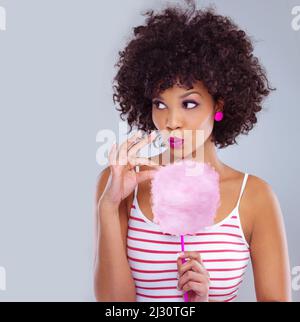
(202, 126)
(200, 121)
(158, 119)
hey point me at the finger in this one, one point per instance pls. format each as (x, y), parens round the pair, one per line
(200, 288)
(123, 151)
(180, 257)
(191, 265)
(146, 140)
(192, 276)
(132, 140)
(143, 161)
(180, 262)
(191, 255)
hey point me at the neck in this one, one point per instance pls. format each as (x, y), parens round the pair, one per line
(211, 157)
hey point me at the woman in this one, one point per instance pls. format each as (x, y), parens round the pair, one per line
(188, 71)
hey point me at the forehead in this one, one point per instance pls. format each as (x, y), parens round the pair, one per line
(179, 89)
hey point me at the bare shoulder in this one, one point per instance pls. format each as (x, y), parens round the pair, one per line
(261, 206)
(260, 193)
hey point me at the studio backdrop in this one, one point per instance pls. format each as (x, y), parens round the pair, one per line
(57, 64)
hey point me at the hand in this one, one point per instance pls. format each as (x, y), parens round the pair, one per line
(123, 178)
(193, 277)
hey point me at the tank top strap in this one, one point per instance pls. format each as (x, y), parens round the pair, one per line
(242, 189)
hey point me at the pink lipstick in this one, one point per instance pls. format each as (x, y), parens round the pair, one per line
(175, 143)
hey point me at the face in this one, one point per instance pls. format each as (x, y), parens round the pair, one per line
(185, 114)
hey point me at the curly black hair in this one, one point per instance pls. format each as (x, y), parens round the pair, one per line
(191, 45)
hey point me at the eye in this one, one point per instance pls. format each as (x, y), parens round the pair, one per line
(186, 103)
(156, 104)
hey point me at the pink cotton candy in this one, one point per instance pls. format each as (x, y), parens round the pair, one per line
(185, 197)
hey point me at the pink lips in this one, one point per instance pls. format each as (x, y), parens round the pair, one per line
(175, 142)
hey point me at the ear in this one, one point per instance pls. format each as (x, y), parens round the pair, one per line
(219, 107)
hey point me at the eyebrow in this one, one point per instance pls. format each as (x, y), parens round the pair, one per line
(184, 95)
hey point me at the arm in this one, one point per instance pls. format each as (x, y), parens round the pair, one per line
(112, 275)
(269, 252)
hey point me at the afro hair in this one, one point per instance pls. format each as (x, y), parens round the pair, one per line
(191, 45)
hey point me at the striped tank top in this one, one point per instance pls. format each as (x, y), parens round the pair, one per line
(152, 256)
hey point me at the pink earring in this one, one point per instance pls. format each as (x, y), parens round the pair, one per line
(219, 116)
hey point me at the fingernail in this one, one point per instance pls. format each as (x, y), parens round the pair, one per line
(180, 254)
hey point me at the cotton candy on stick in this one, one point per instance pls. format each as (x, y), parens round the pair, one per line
(185, 197)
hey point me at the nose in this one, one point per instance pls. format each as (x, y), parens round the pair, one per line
(174, 120)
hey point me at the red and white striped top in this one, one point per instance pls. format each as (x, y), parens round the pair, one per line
(152, 256)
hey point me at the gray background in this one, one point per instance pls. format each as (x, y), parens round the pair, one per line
(56, 69)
